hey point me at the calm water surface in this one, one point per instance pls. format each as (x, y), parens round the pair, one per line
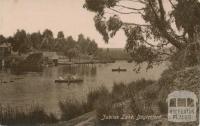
(39, 88)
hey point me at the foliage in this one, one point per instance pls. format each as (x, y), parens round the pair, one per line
(163, 107)
(23, 42)
(73, 52)
(92, 48)
(72, 108)
(94, 95)
(2, 39)
(36, 39)
(60, 35)
(25, 116)
(48, 40)
(105, 107)
(164, 27)
(86, 45)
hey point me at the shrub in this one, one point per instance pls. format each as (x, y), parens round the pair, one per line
(163, 107)
(94, 95)
(30, 115)
(104, 107)
(139, 85)
(72, 108)
(119, 92)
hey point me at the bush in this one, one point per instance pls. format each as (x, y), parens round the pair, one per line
(102, 101)
(104, 107)
(94, 95)
(72, 108)
(31, 115)
(163, 107)
(139, 85)
(119, 92)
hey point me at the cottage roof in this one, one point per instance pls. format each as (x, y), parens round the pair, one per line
(52, 55)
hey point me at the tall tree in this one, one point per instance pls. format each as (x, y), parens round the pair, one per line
(60, 41)
(70, 43)
(167, 23)
(48, 40)
(2, 39)
(71, 53)
(36, 39)
(92, 48)
(83, 43)
(21, 42)
(60, 35)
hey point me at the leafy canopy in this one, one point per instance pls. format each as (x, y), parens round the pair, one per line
(168, 28)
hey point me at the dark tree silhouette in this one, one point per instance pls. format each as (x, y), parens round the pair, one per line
(60, 35)
(92, 48)
(48, 40)
(36, 39)
(21, 43)
(2, 39)
(171, 24)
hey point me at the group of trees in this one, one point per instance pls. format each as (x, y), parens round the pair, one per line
(173, 24)
(23, 42)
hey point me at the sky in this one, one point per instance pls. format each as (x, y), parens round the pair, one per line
(68, 16)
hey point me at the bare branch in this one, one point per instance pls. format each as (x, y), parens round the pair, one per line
(162, 29)
(120, 12)
(150, 44)
(172, 4)
(131, 8)
(162, 11)
(164, 53)
(164, 44)
(135, 24)
(141, 1)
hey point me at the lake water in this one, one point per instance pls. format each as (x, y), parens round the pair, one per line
(40, 88)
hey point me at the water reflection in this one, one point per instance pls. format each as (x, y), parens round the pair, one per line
(82, 70)
(40, 88)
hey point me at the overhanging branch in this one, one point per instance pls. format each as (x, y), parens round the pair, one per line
(135, 24)
(162, 28)
(120, 12)
(131, 8)
(140, 1)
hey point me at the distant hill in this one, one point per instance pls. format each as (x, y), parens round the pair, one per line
(113, 53)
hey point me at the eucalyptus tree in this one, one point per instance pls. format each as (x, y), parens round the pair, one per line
(156, 30)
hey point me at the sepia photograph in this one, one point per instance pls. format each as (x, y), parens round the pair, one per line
(99, 62)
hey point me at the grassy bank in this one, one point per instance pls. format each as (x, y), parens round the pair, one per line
(26, 115)
(121, 100)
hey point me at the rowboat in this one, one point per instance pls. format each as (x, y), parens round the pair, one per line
(119, 70)
(69, 81)
(72, 79)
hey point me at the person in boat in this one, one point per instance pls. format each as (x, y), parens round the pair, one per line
(61, 78)
(74, 77)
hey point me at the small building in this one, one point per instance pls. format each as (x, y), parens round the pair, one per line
(51, 57)
(5, 51)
